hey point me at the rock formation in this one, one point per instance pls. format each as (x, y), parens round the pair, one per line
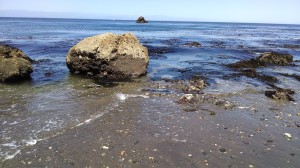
(109, 56)
(264, 59)
(14, 64)
(141, 19)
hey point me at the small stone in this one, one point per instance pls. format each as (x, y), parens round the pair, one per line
(212, 113)
(223, 150)
(298, 114)
(122, 153)
(250, 165)
(190, 155)
(288, 136)
(105, 147)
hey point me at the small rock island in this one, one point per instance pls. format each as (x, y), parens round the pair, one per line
(141, 19)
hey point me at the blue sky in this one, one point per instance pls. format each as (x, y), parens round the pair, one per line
(258, 11)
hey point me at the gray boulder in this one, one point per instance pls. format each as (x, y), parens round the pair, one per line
(14, 64)
(109, 56)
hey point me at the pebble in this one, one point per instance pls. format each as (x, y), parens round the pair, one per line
(288, 136)
(105, 147)
(222, 150)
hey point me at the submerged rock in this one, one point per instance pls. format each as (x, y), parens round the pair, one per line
(194, 99)
(109, 56)
(263, 60)
(158, 52)
(212, 99)
(141, 19)
(251, 73)
(193, 44)
(14, 64)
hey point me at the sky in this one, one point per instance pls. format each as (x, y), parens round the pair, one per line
(251, 11)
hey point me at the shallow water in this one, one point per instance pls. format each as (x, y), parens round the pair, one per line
(139, 123)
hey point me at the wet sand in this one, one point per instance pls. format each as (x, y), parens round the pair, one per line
(152, 130)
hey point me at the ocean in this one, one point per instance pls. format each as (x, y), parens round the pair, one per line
(139, 123)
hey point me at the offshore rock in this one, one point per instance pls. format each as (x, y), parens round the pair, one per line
(141, 19)
(14, 64)
(109, 56)
(264, 60)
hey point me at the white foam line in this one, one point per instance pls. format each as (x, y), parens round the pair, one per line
(123, 97)
(93, 117)
(242, 107)
(8, 157)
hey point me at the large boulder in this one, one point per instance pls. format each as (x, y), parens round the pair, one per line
(141, 19)
(14, 64)
(109, 56)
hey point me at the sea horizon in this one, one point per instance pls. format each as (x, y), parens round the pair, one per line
(179, 21)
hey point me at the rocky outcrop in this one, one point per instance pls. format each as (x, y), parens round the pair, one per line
(14, 64)
(275, 58)
(109, 56)
(263, 60)
(141, 19)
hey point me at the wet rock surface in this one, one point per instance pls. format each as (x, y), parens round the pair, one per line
(109, 56)
(195, 85)
(14, 64)
(263, 60)
(275, 58)
(141, 19)
(279, 95)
